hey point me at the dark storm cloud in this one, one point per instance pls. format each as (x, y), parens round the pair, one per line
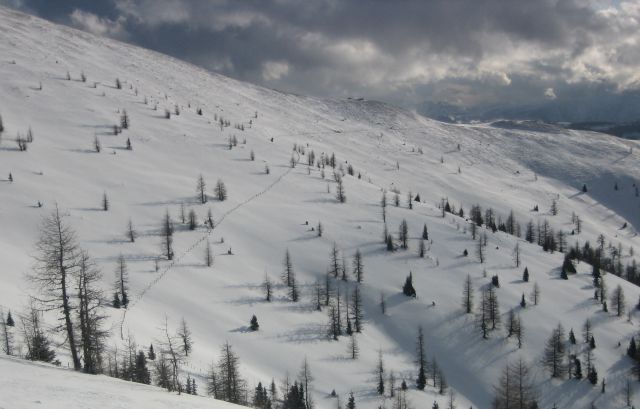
(470, 52)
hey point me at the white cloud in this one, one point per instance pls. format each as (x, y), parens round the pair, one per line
(387, 52)
(550, 93)
(98, 25)
(274, 70)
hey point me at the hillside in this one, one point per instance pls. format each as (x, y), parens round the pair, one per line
(501, 167)
(68, 389)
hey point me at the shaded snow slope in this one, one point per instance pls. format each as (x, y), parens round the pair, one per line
(266, 214)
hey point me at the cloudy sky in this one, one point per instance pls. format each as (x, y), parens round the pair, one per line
(470, 53)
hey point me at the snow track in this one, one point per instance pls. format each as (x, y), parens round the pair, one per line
(193, 246)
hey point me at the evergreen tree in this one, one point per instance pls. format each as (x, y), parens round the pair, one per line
(193, 220)
(523, 302)
(288, 275)
(383, 205)
(593, 376)
(162, 373)
(525, 275)
(294, 295)
(131, 232)
(124, 120)
(344, 269)
(6, 335)
(425, 232)
(10, 321)
(341, 196)
(577, 368)
(380, 374)
(358, 266)
(572, 337)
(201, 189)
(105, 202)
(253, 325)
(166, 232)
(467, 295)
(356, 309)
(187, 385)
(294, 397)
(351, 403)
(632, 351)
(221, 191)
(142, 374)
(407, 288)
(567, 267)
(151, 354)
(116, 303)
(421, 249)
(334, 330)
(36, 340)
(587, 331)
(261, 397)
(208, 254)
(421, 380)
(403, 235)
(493, 308)
(511, 323)
(389, 242)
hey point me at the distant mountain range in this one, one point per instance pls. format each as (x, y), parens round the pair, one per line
(616, 114)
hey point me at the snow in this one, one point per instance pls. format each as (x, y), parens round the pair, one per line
(65, 389)
(501, 167)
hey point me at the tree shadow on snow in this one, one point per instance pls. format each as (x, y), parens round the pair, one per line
(309, 333)
(243, 329)
(186, 201)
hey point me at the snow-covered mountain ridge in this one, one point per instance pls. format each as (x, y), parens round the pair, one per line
(266, 214)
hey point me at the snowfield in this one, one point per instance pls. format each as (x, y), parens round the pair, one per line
(503, 167)
(65, 388)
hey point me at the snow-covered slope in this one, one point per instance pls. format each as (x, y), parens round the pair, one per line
(506, 169)
(65, 389)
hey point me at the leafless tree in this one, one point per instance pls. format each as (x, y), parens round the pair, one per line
(201, 189)
(56, 263)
